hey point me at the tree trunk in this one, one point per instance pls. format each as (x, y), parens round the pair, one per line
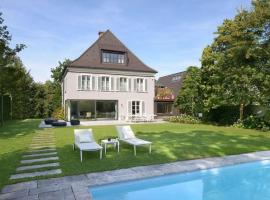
(241, 112)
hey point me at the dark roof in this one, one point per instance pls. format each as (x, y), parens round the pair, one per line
(170, 81)
(91, 58)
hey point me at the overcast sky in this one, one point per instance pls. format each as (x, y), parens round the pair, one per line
(167, 35)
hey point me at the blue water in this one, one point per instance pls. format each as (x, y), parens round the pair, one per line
(239, 182)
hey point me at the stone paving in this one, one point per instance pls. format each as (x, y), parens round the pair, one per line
(42, 149)
(77, 187)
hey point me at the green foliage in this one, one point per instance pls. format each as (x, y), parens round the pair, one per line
(54, 87)
(58, 113)
(189, 98)
(185, 119)
(253, 122)
(7, 53)
(236, 67)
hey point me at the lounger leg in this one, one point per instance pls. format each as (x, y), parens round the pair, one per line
(150, 149)
(134, 150)
(81, 154)
(118, 147)
(100, 156)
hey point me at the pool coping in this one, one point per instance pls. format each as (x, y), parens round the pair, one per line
(77, 187)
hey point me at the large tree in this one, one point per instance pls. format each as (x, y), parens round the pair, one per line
(189, 97)
(235, 67)
(54, 86)
(7, 60)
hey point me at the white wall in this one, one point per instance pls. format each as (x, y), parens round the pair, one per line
(72, 93)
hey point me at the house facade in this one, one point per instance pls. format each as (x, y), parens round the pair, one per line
(108, 82)
(166, 92)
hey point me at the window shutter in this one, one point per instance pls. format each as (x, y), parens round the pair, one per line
(112, 83)
(135, 85)
(93, 83)
(145, 85)
(143, 107)
(79, 82)
(129, 84)
(118, 83)
(99, 83)
(129, 107)
(88, 82)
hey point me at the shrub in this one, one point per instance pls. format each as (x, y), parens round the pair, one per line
(253, 122)
(58, 113)
(185, 119)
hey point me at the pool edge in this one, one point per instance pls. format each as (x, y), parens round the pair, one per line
(79, 185)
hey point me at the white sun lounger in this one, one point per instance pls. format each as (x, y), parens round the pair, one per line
(126, 135)
(84, 141)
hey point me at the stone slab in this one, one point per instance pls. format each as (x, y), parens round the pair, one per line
(39, 160)
(23, 168)
(64, 194)
(41, 150)
(36, 174)
(39, 154)
(14, 195)
(19, 186)
(41, 147)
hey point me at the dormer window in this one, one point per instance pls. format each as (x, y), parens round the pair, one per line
(176, 78)
(113, 57)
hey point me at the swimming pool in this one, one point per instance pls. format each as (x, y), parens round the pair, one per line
(249, 181)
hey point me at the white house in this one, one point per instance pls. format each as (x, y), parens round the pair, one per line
(108, 82)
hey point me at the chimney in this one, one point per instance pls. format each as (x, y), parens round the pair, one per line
(100, 33)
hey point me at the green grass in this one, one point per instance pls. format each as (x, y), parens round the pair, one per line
(171, 142)
(15, 137)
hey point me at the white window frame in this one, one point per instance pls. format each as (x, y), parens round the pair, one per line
(140, 86)
(125, 88)
(86, 87)
(109, 83)
(142, 108)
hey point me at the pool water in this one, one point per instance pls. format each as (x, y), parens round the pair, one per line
(249, 181)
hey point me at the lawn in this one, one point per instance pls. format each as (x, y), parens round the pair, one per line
(171, 142)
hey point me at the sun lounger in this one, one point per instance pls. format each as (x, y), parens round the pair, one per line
(84, 141)
(125, 134)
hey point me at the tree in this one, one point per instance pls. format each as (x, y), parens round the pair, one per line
(7, 60)
(188, 99)
(54, 92)
(235, 67)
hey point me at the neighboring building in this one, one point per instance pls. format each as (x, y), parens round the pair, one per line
(167, 89)
(108, 82)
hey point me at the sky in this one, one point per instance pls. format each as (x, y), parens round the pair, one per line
(167, 35)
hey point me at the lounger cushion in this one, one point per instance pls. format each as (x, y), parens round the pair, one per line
(84, 137)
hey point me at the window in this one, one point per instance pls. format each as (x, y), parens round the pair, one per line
(176, 78)
(105, 83)
(123, 84)
(140, 85)
(84, 82)
(113, 57)
(136, 107)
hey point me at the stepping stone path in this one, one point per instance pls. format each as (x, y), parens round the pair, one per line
(40, 160)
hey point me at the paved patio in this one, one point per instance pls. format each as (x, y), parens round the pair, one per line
(76, 187)
(103, 122)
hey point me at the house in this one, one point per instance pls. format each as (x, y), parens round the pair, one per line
(167, 89)
(108, 82)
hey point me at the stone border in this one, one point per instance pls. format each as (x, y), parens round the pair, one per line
(77, 187)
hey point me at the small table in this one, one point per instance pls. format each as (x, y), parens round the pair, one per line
(106, 142)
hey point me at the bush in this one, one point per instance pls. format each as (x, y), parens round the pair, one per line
(58, 113)
(253, 122)
(185, 119)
